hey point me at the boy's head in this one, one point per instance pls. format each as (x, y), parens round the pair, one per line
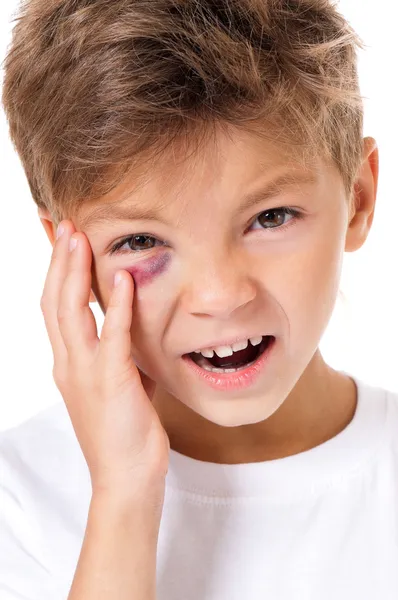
(182, 113)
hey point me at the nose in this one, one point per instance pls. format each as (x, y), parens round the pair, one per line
(218, 287)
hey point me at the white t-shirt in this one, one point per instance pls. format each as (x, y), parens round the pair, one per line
(319, 525)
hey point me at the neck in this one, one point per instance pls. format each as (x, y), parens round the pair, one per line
(321, 405)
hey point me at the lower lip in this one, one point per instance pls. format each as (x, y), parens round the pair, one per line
(233, 381)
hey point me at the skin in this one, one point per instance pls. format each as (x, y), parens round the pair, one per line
(145, 273)
(220, 274)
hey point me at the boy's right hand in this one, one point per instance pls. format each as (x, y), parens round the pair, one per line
(108, 399)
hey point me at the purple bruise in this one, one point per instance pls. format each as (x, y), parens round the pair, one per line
(146, 271)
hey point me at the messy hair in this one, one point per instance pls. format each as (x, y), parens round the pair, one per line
(94, 88)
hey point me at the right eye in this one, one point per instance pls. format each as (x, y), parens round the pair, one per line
(141, 242)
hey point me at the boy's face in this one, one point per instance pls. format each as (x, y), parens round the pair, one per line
(210, 268)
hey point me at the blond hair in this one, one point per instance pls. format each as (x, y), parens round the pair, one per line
(91, 87)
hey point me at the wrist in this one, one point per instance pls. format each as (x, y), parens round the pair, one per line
(143, 496)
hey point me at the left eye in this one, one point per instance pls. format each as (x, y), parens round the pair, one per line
(275, 217)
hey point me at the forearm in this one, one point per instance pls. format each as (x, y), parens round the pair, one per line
(118, 556)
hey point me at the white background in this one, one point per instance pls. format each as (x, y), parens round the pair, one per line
(362, 335)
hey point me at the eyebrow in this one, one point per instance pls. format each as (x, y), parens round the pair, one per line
(108, 213)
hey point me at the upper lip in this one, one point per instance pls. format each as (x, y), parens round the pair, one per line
(227, 341)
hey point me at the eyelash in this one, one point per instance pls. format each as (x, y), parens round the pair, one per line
(116, 248)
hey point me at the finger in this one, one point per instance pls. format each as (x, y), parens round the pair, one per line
(75, 318)
(115, 343)
(49, 302)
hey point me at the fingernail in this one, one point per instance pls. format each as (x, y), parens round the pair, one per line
(72, 243)
(60, 230)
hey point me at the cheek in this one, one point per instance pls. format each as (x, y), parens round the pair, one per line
(144, 273)
(148, 314)
(312, 289)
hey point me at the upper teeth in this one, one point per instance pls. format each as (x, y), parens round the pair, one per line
(222, 351)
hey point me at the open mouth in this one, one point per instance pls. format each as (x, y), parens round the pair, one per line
(237, 361)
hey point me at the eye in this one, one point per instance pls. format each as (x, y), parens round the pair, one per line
(136, 243)
(274, 218)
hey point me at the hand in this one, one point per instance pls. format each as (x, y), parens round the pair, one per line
(108, 399)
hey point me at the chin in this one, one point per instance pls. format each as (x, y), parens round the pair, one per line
(238, 411)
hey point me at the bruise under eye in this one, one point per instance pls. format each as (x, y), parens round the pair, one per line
(147, 270)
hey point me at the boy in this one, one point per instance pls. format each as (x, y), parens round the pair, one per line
(210, 157)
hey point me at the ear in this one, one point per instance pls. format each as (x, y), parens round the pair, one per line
(363, 197)
(50, 227)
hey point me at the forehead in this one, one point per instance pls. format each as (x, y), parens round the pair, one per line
(231, 162)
